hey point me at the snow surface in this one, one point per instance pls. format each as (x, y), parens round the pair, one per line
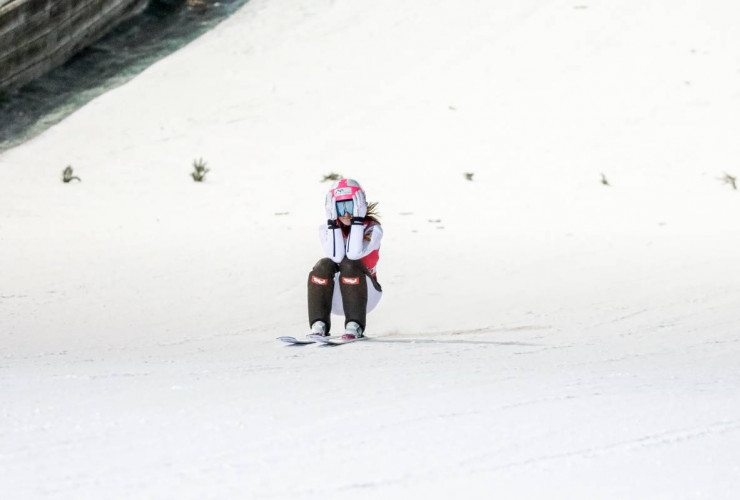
(542, 335)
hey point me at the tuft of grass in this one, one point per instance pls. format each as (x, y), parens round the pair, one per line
(469, 175)
(332, 177)
(604, 181)
(730, 179)
(199, 170)
(68, 175)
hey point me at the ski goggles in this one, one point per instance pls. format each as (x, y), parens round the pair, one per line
(345, 207)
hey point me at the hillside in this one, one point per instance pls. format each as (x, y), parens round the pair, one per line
(541, 334)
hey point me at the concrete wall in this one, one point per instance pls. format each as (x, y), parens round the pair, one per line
(38, 35)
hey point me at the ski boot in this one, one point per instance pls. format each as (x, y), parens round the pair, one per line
(352, 331)
(319, 328)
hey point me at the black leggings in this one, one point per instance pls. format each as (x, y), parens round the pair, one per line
(352, 285)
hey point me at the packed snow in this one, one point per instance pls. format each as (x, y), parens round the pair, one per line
(560, 263)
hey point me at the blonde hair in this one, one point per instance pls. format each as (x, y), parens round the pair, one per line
(372, 212)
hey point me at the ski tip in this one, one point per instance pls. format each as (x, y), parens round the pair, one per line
(295, 341)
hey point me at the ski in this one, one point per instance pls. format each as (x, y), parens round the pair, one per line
(333, 340)
(295, 341)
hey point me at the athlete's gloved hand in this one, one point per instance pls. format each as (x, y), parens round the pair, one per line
(360, 209)
(331, 207)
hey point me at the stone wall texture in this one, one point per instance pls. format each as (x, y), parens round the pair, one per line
(38, 35)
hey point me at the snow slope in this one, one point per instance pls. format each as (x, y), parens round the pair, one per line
(542, 335)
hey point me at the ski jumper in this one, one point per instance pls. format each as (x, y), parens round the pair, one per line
(345, 281)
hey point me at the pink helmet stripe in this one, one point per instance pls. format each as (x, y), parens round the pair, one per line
(345, 189)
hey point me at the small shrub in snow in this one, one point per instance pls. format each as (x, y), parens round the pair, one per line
(604, 181)
(199, 170)
(469, 175)
(731, 180)
(68, 175)
(332, 177)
